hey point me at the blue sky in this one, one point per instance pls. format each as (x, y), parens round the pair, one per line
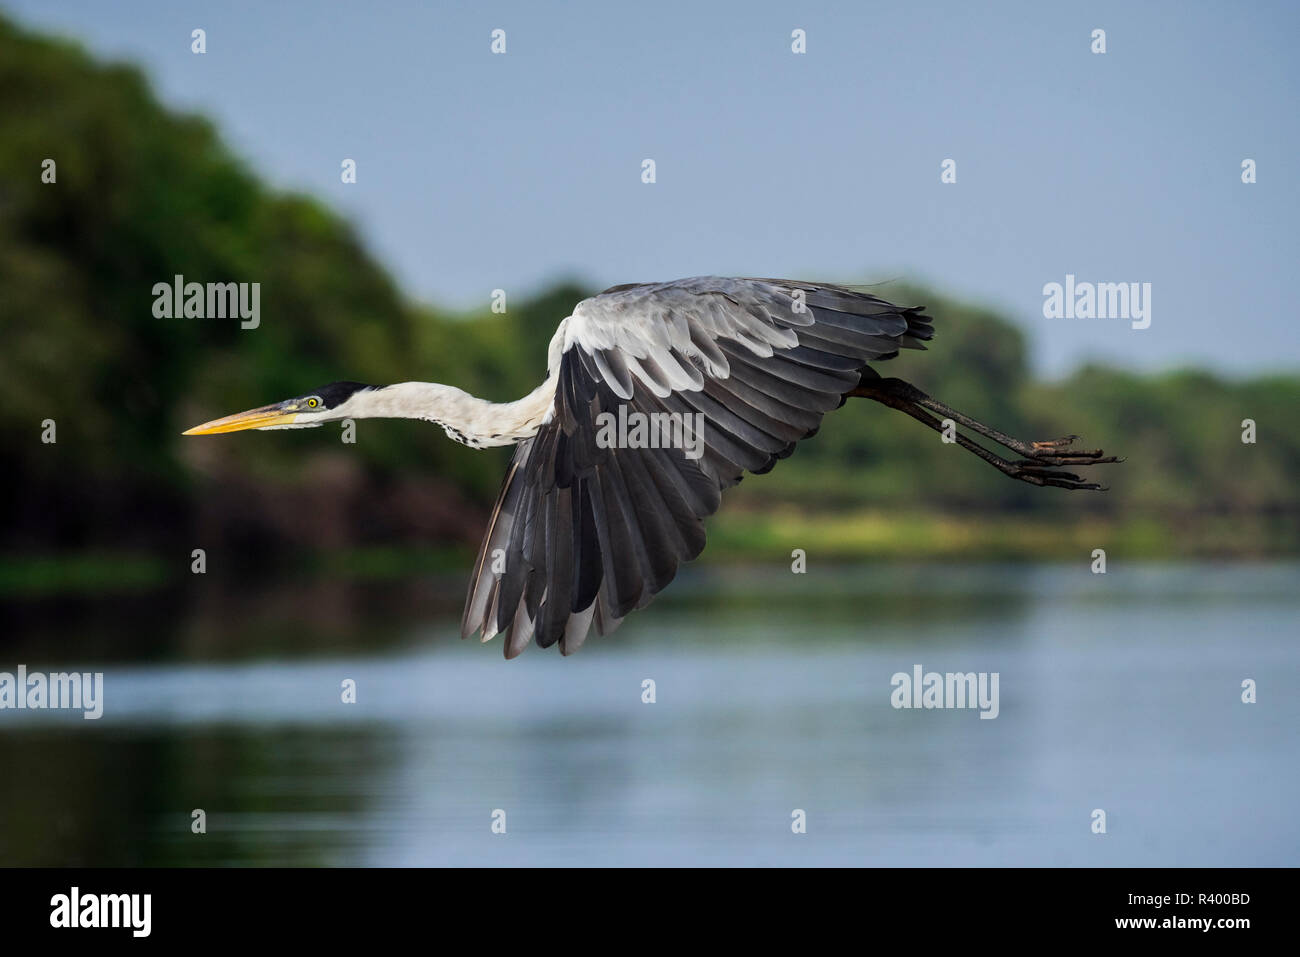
(478, 171)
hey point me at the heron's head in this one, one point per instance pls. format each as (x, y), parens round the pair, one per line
(327, 404)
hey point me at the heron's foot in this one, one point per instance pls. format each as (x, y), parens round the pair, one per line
(1039, 460)
(1044, 457)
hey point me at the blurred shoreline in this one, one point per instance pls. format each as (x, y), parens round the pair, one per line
(739, 538)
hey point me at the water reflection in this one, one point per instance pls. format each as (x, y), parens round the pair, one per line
(1119, 692)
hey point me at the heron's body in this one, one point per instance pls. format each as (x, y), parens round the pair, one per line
(586, 529)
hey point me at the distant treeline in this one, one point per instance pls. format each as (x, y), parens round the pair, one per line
(137, 195)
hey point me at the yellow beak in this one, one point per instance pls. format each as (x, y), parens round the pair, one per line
(252, 419)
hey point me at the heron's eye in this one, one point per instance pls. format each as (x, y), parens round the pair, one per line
(313, 403)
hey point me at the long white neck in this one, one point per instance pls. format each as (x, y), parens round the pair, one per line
(472, 421)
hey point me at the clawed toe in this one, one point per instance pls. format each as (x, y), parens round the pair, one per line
(1055, 443)
(1056, 479)
(1076, 458)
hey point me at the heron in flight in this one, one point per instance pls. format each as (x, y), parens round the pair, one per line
(592, 523)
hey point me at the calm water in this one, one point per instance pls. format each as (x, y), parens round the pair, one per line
(1120, 692)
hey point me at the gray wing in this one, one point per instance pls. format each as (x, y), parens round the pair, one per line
(582, 533)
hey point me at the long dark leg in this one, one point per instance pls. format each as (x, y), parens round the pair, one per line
(1041, 459)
